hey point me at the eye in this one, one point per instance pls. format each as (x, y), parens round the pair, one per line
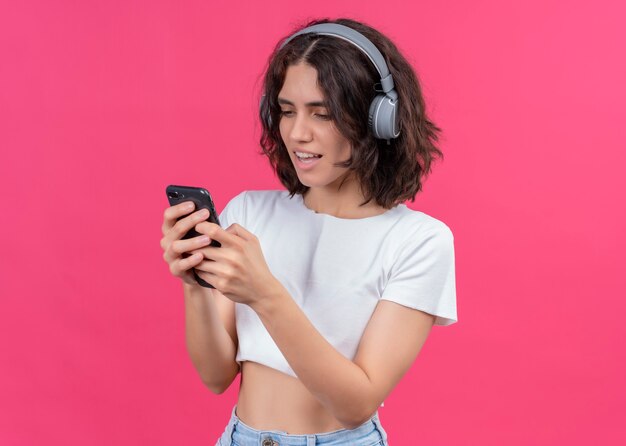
(323, 116)
(286, 113)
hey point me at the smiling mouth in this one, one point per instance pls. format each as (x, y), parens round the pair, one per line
(308, 157)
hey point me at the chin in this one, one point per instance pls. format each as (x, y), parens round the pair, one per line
(306, 182)
(319, 179)
(318, 183)
(309, 182)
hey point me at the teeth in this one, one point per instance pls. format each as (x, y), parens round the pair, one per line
(306, 155)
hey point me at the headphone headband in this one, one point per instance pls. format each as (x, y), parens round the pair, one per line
(361, 42)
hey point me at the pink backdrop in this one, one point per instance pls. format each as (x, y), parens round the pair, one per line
(102, 104)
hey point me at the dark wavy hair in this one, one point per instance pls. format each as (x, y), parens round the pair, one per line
(389, 172)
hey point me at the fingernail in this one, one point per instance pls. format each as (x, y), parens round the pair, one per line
(204, 239)
(203, 213)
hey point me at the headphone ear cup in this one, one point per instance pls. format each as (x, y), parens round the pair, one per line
(383, 117)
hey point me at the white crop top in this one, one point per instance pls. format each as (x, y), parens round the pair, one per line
(338, 269)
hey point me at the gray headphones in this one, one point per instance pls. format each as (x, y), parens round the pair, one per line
(383, 112)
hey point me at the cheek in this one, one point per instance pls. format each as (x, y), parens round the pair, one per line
(340, 142)
(343, 146)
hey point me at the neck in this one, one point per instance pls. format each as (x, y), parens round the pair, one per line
(343, 203)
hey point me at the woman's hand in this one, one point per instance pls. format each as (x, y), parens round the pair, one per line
(182, 255)
(237, 269)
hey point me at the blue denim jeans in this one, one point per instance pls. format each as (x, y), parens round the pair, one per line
(370, 433)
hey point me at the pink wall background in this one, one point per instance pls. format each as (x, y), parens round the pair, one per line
(102, 104)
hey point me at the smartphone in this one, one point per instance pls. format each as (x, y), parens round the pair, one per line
(202, 200)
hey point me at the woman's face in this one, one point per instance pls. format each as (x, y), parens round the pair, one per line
(305, 126)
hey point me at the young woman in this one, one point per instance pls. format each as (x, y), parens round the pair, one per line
(324, 292)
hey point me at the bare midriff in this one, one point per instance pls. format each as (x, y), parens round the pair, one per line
(271, 400)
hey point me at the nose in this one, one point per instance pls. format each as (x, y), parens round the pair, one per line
(300, 129)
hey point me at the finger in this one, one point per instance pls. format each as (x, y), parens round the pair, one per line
(173, 212)
(242, 232)
(180, 246)
(183, 225)
(177, 231)
(211, 253)
(173, 246)
(184, 248)
(209, 266)
(180, 266)
(217, 233)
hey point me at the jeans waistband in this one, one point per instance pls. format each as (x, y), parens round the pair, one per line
(247, 435)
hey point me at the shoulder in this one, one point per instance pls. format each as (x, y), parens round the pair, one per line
(418, 224)
(421, 274)
(420, 239)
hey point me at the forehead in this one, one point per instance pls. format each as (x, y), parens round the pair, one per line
(301, 85)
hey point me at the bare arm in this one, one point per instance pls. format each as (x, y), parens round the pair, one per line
(211, 336)
(210, 329)
(351, 390)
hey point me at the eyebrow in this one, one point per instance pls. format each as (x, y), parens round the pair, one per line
(308, 104)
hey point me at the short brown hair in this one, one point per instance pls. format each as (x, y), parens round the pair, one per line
(390, 173)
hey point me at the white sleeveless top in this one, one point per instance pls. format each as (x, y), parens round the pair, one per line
(338, 269)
